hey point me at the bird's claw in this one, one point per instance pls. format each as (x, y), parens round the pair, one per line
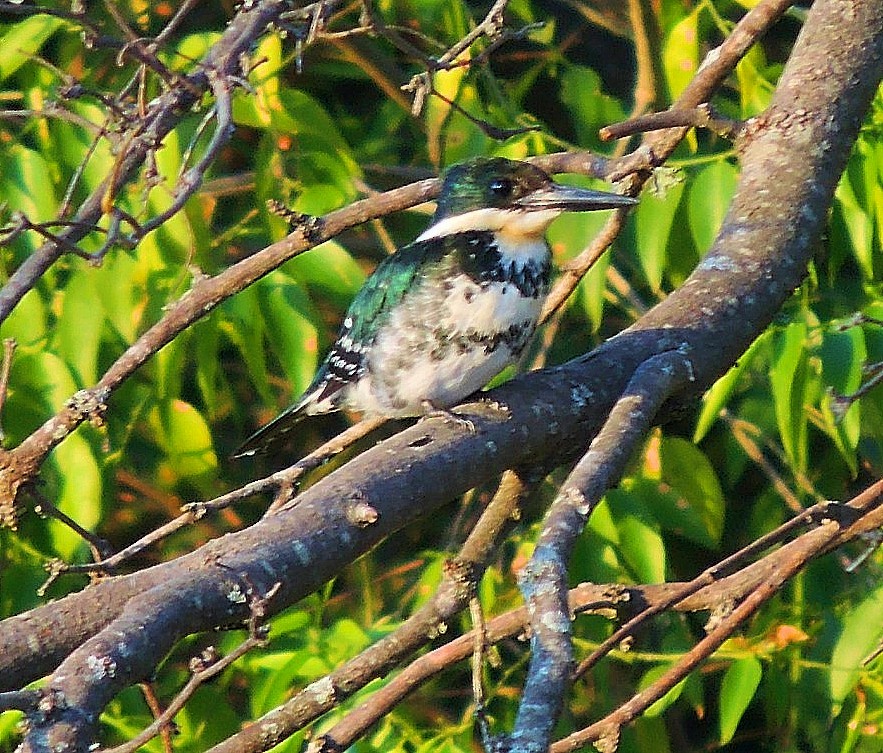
(433, 411)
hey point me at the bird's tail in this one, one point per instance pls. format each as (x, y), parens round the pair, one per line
(272, 433)
(321, 397)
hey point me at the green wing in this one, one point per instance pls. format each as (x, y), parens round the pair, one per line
(388, 285)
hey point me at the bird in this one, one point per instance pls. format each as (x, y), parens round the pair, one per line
(443, 315)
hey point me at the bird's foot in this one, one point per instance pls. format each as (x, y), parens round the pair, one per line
(433, 411)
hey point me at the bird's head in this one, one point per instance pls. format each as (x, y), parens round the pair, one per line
(498, 194)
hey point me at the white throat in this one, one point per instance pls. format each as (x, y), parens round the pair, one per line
(516, 226)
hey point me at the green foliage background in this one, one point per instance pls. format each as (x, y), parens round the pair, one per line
(317, 140)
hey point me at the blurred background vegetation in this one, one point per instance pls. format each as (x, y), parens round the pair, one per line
(323, 124)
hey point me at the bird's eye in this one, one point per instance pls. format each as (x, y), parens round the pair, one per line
(501, 186)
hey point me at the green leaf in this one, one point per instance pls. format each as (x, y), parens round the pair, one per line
(687, 470)
(843, 355)
(26, 183)
(788, 381)
(245, 327)
(710, 195)
(737, 690)
(755, 89)
(590, 108)
(640, 543)
(719, 394)
(568, 236)
(680, 54)
(652, 675)
(852, 226)
(861, 634)
(120, 290)
(330, 271)
(183, 435)
(78, 492)
(24, 39)
(291, 329)
(78, 329)
(27, 322)
(40, 385)
(653, 221)
(207, 339)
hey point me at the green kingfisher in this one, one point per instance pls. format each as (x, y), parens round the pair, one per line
(443, 315)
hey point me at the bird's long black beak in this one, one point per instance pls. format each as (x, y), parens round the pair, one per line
(573, 199)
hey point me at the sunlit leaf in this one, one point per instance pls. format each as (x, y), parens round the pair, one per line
(672, 695)
(787, 379)
(184, 436)
(719, 394)
(709, 198)
(291, 329)
(653, 220)
(23, 39)
(861, 634)
(680, 54)
(737, 691)
(640, 545)
(78, 330)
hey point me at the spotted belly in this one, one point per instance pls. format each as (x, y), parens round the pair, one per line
(444, 343)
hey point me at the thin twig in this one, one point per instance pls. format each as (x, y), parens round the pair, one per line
(637, 704)
(706, 578)
(703, 116)
(6, 366)
(288, 479)
(576, 269)
(601, 599)
(153, 703)
(479, 650)
(739, 431)
(99, 546)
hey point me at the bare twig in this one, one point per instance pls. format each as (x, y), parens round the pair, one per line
(479, 650)
(658, 147)
(153, 703)
(702, 116)
(100, 548)
(576, 269)
(287, 480)
(714, 574)
(207, 293)
(161, 117)
(5, 368)
(609, 726)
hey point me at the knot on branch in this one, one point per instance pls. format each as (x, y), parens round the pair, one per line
(463, 575)
(311, 227)
(87, 404)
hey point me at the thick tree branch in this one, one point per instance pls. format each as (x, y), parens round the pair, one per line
(657, 147)
(461, 577)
